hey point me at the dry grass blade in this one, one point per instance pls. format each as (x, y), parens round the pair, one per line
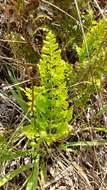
(82, 174)
(13, 41)
(82, 28)
(100, 10)
(17, 84)
(64, 12)
(16, 106)
(66, 168)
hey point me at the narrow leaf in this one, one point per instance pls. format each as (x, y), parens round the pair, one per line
(86, 143)
(33, 180)
(14, 173)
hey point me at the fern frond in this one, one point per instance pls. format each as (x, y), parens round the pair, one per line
(52, 115)
(95, 38)
(93, 65)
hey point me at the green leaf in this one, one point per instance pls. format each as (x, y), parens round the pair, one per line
(86, 143)
(12, 174)
(43, 171)
(29, 131)
(33, 180)
(42, 103)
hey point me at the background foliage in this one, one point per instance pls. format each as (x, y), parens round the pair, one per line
(53, 74)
